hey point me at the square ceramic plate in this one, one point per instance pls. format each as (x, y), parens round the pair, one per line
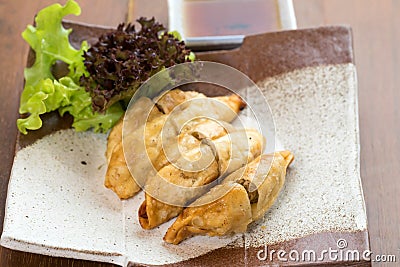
(57, 204)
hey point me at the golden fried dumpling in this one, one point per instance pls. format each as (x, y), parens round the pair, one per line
(232, 153)
(154, 212)
(268, 188)
(118, 177)
(220, 213)
(203, 128)
(154, 148)
(221, 108)
(168, 101)
(238, 148)
(114, 138)
(230, 214)
(233, 101)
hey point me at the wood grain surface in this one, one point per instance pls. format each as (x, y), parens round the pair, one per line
(376, 28)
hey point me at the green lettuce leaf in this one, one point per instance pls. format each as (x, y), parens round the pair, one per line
(42, 92)
(82, 111)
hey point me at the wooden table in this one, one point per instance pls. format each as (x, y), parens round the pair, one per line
(376, 39)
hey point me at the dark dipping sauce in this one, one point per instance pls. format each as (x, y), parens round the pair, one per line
(229, 17)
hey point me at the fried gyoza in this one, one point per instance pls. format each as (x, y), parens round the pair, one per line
(154, 212)
(161, 140)
(251, 191)
(118, 177)
(233, 152)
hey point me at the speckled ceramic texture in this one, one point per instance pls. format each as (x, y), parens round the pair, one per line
(57, 204)
(316, 117)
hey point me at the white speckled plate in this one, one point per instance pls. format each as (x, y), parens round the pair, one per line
(57, 204)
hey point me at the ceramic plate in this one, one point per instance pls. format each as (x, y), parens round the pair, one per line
(57, 204)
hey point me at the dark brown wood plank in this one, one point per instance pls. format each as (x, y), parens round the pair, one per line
(376, 39)
(15, 15)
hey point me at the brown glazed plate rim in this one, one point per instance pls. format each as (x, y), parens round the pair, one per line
(280, 43)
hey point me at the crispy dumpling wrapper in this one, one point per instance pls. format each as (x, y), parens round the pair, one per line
(268, 188)
(230, 214)
(154, 212)
(168, 101)
(222, 108)
(233, 101)
(194, 156)
(165, 200)
(114, 138)
(118, 176)
(234, 153)
(147, 157)
(181, 123)
(261, 180)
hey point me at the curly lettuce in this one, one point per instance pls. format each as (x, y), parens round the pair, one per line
(43, 92)
(123, 59)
